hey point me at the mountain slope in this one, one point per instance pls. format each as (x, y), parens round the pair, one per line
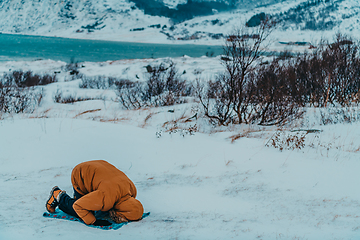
(174, 20)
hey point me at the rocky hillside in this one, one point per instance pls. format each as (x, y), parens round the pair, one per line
(205, 21)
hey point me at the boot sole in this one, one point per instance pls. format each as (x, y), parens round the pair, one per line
(51, 195)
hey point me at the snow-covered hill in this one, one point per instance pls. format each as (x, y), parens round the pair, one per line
(175, 21)
(201, 186)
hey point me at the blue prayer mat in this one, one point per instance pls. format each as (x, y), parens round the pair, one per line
(99, 215)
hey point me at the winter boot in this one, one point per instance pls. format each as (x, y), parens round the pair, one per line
(54, 198)
(116, 217)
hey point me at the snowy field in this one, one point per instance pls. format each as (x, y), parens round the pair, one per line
(200, 186)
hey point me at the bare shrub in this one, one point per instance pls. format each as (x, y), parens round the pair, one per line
(287, 141)
(73, 67)
(18, 94)
(273, 94)
(228, 99)
(27, 79)
(243, 48)
(342, 59)
(331, 74)
(98, 82)
(274, 99)
(216, 100)
(163, 87)
(131, 95)
(269, 97)
(102, 82)
(19, 100)
(59, 97)
(334, 115)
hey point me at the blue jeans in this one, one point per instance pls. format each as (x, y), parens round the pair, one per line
(66, 203)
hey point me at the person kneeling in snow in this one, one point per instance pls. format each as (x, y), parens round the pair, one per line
(98, 186)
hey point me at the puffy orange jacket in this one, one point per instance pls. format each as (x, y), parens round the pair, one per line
(104, 188)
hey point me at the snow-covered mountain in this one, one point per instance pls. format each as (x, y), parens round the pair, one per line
(180, 21)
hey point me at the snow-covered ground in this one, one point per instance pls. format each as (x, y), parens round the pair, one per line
(201, 186)
(132, 69)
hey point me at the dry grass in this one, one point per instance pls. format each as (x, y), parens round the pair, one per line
(176, 120)
(88, 111)
(150, 115)
(247, 133)
(229, 162)
(357, 150)
(172, 129)
(352, 150)
(43, 114)
(287, 141)
(236, 137)
(180, 125)
(213, 131)
(190, 119)
(114, 120)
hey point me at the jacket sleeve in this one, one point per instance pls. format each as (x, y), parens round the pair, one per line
(85, 206)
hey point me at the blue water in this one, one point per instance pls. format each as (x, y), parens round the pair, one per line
(24, 47)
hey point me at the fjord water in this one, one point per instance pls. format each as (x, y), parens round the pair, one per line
(25, 47)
